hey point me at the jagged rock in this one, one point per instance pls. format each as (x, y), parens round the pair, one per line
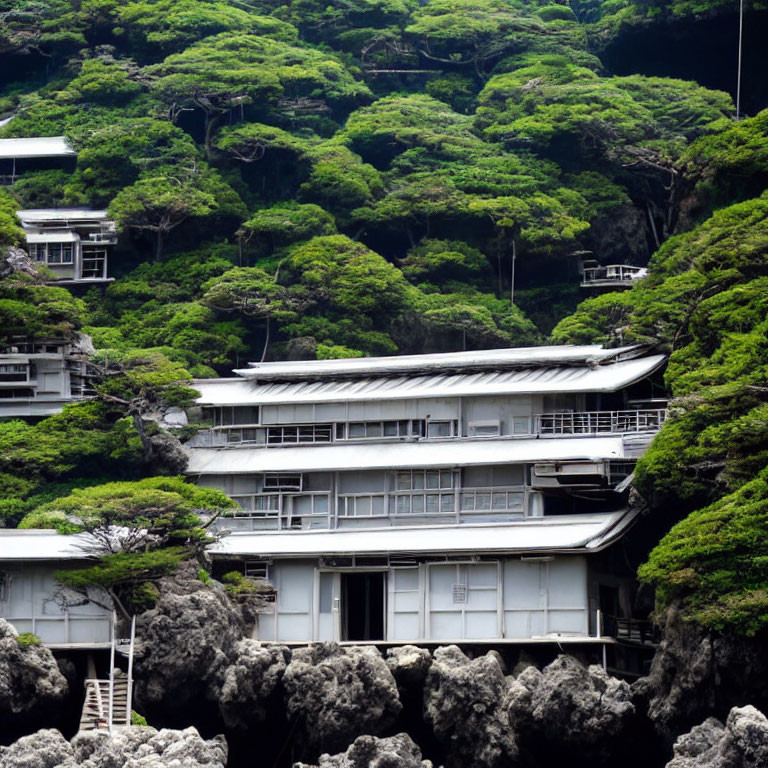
(409, 665)
(569, 708)
(369, 752)
(14, 260)
(31, 684)
(463, 704)
(336, 694)
(741, 743)
(250, 682)
(134, 747)
(187, 642)
(167, 452)
(44, 749)
(695, 674)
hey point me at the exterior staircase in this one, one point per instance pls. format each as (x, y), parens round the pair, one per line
(108, 702)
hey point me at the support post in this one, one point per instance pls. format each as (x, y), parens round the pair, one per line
(110, 708)
(129, 693)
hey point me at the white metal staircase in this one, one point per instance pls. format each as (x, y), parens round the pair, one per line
(108, 702)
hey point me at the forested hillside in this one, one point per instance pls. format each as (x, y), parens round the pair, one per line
(302, 179)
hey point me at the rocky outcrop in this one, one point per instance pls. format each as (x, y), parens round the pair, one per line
(696, 674)
(463, 704)
(187, 642)
(369, 752)
(251, 682)
(741, 743)
(16, 260)
(409, 666)
(136, 747)
(31, 684)
(335, 694)
(568, 708)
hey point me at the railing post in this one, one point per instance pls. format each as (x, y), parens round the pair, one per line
(599, 624)
(129, 693)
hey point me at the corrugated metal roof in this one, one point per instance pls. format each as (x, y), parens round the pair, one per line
(377, 455)
(473, 360)
(54, 237)
(543, 379)
(544, 534)
(39, 146)
(35, 215)
(18, 544)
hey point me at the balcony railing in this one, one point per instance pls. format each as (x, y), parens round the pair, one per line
(596, 422)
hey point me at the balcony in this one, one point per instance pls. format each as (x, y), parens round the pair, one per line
(611, 276)
(600, 422)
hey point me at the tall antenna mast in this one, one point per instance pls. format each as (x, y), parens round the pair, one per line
(738, 75)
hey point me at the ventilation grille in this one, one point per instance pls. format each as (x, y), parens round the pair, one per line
(459, 593)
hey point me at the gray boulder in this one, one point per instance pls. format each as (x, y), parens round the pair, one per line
(568, 707)
(463, 703)
(133, 747)
(369, 752)
(251, 681)
(335, 694)
(187, 642)
(741, 743)
(31, 684)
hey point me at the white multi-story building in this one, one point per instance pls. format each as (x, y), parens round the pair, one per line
(446, 497)
(72, 243)
(39, 377)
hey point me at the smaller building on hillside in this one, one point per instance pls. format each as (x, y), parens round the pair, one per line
(73, 243)
(32, 600)
(39, 153)
(39, 377)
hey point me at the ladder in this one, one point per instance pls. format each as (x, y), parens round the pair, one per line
(108, 702)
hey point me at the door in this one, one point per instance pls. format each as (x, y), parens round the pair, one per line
(363, 605)
(464, 601)
(328, 604)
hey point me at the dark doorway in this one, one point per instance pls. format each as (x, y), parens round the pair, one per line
(362, 601)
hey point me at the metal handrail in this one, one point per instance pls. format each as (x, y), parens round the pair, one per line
(594, 422)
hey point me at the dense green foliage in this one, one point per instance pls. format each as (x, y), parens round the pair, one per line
(334, 179)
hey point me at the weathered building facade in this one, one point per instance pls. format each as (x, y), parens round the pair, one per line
(72, 243)
(39, 377)
(446, 497)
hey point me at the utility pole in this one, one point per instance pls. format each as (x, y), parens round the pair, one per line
(512, 278)
(738, 75)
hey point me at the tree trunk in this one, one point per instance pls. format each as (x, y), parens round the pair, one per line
(266, 339)
(209, 128)
(146, 443)
(158, 245)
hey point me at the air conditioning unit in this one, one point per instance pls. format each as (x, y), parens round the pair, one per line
(554, 474)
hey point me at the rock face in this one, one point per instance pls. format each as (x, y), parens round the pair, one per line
(335, 694)
(15, 260)
(251, 682)
(570, 709)
(741, 743)
(31, 684)
(187, 641)
(696, 674)
(463, 703)
(369, 752)
(135, 747)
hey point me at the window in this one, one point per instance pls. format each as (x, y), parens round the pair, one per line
(54, 253)
(274, 481)
(442, 428)
(13, 372)
(36, 252)
(5, 584)
(304, 433)
(364, 430)
(418, 480)
(484, 428)
(521, 425)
